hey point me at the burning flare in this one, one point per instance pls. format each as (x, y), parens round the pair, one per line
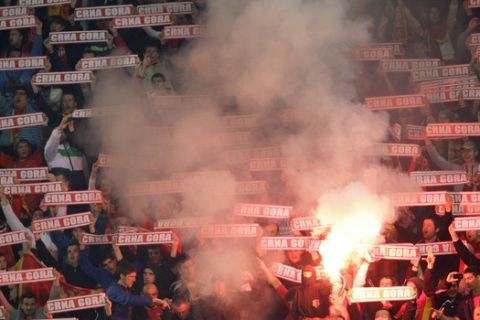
(356, 215)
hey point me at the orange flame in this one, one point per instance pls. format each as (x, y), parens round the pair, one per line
(356, 215)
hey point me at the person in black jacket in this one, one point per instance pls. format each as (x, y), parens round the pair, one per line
(312, 298)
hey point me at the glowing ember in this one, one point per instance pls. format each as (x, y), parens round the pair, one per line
(356, 215)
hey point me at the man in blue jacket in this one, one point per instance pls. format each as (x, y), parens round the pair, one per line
(122, 298)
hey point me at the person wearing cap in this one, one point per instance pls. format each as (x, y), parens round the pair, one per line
(470, 163)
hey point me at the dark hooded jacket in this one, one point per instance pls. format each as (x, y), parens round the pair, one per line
(312, 298)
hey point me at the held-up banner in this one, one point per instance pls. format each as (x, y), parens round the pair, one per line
(22, 63)
(449, 130)
(287, 243)
(438, 178)
(262, 211)
(8, 173)
(447, 93)
(85, 113)
(418, 199)
(398, 149)
(182, 32)
(441, 72)
(33, 188)
(232, 138)
(17, 22)
(76, 303)
(266, 152)
(127, 229)
(372, 294)
(103, 12)
(156, 187)
(292, 274)
(78, 36)
(142, 238)
(182, 223)
(64, 222)
(450, 81)
(96, 239)
(26, 174)
(229, 230)
(169, 7)
(305, 223)
(244, 155)
(395, 252)
(472, 93)
(466, 197)
(7, 180)
(474, 39)
(245, 188)
(138, 21)
(438, 248)
(69, 77)
(240, 122)
(415, 133)
(397, 47)
(26, 276)
(287, 272)
(473, 3)
(23, 121)
(9, 238)
(73, 198)
(466, 223)
(109, 62)
(184, 175)
(42, 3)
(371, 53)
(395, 102)
(460, 209)
(13, 11)
(267, 164)
(407, 65)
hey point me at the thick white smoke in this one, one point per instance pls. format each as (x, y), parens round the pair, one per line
(275, 56)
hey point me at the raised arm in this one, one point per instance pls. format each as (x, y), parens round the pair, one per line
(53, 142)
(4, 301)
(438, 160)
(100, 275)
(467, 257)
(45, 255)
(116, 294)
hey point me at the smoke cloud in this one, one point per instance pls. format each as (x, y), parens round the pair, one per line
(285, 55)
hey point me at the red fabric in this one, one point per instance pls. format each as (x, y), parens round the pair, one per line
(35, 160)
(41, 290)
(476, 301)
(69, 290)
(154, 313)
(26, 203)
(5, 160)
